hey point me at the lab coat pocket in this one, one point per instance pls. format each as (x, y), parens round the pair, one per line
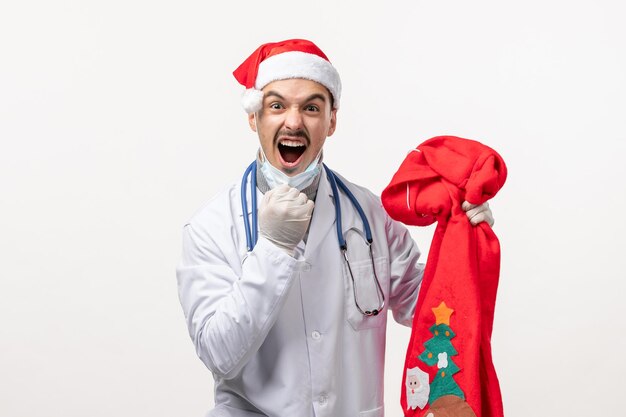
(376, 412)
(361, 291)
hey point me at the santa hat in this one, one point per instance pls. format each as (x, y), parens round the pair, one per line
(293, 58)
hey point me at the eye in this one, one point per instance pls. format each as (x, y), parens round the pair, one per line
(276, 106)
(312, 107)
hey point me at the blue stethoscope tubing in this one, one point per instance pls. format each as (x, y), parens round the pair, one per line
(335, 184)
(252, 233)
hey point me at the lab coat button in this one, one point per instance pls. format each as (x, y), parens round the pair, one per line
(322, 399)
(316, 335)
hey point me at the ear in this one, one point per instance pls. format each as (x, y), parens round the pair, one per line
(252, 121)
(333, 122)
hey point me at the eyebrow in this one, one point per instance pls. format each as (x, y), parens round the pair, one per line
(315, 96)
(275, 94)
(312, 97)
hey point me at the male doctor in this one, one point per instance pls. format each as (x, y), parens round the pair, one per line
(288, 322)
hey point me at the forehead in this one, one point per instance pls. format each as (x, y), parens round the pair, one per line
(297, 89)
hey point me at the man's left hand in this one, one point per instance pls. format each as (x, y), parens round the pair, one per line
(478, 214)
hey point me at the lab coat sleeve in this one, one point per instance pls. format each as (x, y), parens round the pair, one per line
(229, 313)
(405, 272)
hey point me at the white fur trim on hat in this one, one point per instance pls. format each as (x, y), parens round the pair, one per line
(298, 64)
(252, 100)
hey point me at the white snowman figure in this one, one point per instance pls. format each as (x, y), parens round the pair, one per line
(417, 388)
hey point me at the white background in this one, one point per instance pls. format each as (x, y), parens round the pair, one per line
(119, 118)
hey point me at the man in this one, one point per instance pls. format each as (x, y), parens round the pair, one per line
(290, 323)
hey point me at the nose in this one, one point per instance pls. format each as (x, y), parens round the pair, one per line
(293, 119)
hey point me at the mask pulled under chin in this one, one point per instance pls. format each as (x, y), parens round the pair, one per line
(276, 177)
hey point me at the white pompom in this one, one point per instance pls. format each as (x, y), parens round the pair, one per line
(252, 100)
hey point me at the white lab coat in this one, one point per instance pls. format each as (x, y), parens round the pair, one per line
(282, 335)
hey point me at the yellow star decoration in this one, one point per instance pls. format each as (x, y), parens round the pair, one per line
(442, 314)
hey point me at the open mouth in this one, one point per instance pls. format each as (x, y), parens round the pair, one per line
(291, 151)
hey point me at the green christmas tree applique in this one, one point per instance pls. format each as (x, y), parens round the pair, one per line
(439, 352)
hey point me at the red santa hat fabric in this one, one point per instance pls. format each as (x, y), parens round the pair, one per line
(448, 366)
(293, 58)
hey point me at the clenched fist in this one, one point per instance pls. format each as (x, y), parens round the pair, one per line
(284, 217)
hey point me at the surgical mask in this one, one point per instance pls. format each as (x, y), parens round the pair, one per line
(276, 177)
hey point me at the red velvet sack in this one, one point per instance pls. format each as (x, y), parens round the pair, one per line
(448, 369)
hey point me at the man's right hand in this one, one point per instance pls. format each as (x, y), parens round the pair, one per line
(284, 216)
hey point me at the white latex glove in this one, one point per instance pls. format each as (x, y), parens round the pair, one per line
(478, 214)
(284, 216)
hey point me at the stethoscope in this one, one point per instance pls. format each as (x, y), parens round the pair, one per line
(335, 183)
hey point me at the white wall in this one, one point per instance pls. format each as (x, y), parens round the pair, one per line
(119, 118)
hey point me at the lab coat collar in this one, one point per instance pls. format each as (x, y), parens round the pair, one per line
(323, 216)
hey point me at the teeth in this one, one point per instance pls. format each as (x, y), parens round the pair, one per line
(291, 143)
